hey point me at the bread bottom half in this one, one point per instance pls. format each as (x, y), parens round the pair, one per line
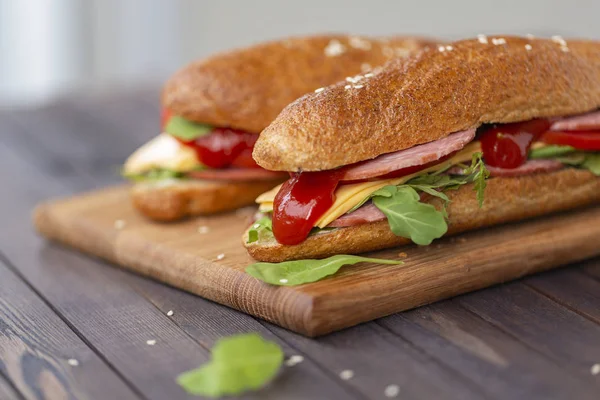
(171, 200)
(506, 200)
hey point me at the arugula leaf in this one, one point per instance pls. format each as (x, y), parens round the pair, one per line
(592, 163)
(154, 175)
(409, 218)
(386, 191)
(262, 229)
(239, 363)
(478, 174)
(551, 151)
(291, 273)
(185, 129)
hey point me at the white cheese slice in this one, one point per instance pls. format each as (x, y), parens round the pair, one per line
(164, 151)
(348, 196)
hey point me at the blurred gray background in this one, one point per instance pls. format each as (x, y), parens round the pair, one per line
(52, 47)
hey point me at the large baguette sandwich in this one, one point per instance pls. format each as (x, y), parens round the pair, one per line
(455, 138)
(215, 109)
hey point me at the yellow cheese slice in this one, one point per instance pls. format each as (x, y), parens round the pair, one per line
(164, 151)
(348, 196)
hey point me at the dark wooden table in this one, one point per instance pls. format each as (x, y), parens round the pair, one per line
(537, 338)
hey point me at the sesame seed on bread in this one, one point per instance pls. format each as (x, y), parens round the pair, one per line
(435, 92)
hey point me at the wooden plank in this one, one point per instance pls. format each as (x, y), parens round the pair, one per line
(571, 288)
(377, 358)
(35, 346)
(592, 268)
(7, 392)
(501, 365)
(178, 255)
(561, 335)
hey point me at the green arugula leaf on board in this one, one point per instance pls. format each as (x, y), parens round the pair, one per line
(186, 130)
(291, 273)
(551, 151)
(409, 218)
(592, 163)
(239, 363)
(154, 175)
(261, 229)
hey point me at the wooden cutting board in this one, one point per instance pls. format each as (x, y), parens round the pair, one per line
(104, 224)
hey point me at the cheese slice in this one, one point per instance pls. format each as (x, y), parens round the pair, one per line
(164, 151)
(348, 196)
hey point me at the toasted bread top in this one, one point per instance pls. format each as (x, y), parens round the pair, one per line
(247, 88)
(431, 94)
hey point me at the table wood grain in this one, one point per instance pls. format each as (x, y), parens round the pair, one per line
(536, 338)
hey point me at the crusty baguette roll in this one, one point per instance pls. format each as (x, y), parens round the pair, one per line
(247, 88)
(175, 199)
(506, 200)
(423, 98)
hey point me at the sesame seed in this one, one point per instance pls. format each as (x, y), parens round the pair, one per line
(221, 256)
(498, 41)
(120, 224)
(347, 87)
(151, 342)
(170, 313)
(358, 86)
(283, 280)
(365, 67)
(319, 90)
(528, 47)
(293, 360)
(558, 39)
(595, 370)
(350, 79)
(392, 391)
(370, 74)
(449, 48)
(73, 362)
(346, 374)
(359, 43)
(334, 48)
(441, 49)
(203, 229)
(565, 49)
(482, 39)
(530, 36)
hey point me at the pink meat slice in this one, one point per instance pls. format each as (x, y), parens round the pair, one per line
(237, 174)
(529, 168)
(583, 122)
(417, 155)
(363, 215)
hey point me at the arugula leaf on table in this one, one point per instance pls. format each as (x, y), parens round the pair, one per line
(185, 129)
(410, 218)
(239, 363)
(291, 273)
(261, 229)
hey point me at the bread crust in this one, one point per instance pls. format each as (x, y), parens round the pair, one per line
(430, 95)
(247, 88)
(506, 200)
(175, 199)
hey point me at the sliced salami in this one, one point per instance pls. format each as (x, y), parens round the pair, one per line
(237, 174)
(365, 214)
(529, 168)
(417, 155)
(583, 122)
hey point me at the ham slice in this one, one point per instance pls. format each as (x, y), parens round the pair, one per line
(363, 215)
(237, 174)
(583, 122)
(417, 155)
(529, 168)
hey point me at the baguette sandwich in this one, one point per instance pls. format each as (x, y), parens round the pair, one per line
(454, 138)
(214, 110)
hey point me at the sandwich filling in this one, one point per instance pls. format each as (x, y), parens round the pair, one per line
(396, 186)
(191, 150)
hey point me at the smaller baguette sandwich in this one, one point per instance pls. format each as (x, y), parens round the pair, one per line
(214, 110)
(457, 137)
